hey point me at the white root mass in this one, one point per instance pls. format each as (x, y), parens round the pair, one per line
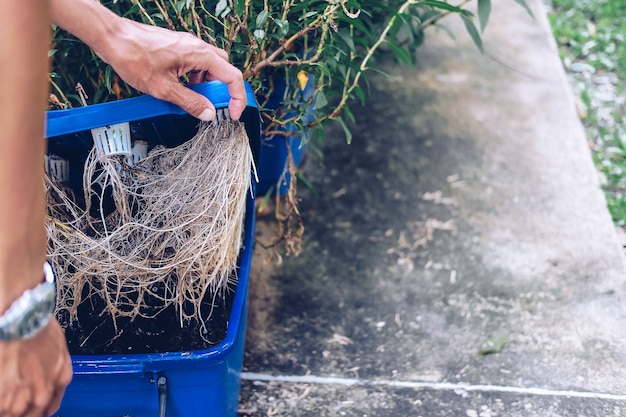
(166, 230)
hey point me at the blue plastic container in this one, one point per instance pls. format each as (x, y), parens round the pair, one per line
(273, 154)
(173, 384)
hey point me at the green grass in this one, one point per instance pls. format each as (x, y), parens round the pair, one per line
(591, 35)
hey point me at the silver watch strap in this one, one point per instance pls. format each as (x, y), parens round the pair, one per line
(31, 311)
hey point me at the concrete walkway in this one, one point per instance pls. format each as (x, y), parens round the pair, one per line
(465, 216)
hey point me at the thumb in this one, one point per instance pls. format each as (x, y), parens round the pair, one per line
(193, 103)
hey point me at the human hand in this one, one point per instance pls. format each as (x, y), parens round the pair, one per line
(152, 59)
(34, 373)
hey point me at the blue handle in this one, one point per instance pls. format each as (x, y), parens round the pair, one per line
(62, 122)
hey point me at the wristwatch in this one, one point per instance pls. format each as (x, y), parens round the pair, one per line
(32, 311)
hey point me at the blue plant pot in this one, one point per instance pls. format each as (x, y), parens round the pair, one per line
(173, 384)
(273, 159)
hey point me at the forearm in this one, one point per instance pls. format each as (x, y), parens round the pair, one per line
(149, 58)
(88, 20)
(24, 27)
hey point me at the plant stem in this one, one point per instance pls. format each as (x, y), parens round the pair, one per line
(370, 52)
(326, 16)
(436, 18)
(383, 36)
(143, 11)
(58, 90)
(180, 18)
(162, 9)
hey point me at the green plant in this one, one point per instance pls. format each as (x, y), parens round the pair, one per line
(331, 43)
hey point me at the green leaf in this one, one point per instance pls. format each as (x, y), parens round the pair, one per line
(347, 39)
(97, 98)
(74, 97)
(108, 77)
(283, 27)
(308, 184)
(357, 23)
(484, 10)
(132, 11)
(262, 18)
(320, 101)
(259, 34)
(442, 5)
(317, 137)
(323, 68)
(358, 91)
(471, 29)
(240, 7)
(266, 199)
(341, 67)
(307, 15)
(52, 52)
(316, 150)
(180, 5)
(398, 23)
(448, 31)
(349, 114)
(346, 130)
(221, 8)
(495, 343)
(400, 53)
(525, 6)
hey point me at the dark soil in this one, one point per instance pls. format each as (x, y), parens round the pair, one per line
(159, 331)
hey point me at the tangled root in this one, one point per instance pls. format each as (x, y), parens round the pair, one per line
(166, 230)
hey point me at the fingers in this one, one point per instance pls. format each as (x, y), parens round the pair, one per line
(25, 401)
(237, 106)
(222, 53)
(41, 398)
(193, 103)
(65, 375)
(55, 402)
(233, 78)
(215, 62)
(237, 92)
(152, 59)
(196, 77)
(63, 379)
(48, 395)
(15, 402)
(34, 373)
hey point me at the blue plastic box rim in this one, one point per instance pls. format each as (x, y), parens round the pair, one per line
(62, 122)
